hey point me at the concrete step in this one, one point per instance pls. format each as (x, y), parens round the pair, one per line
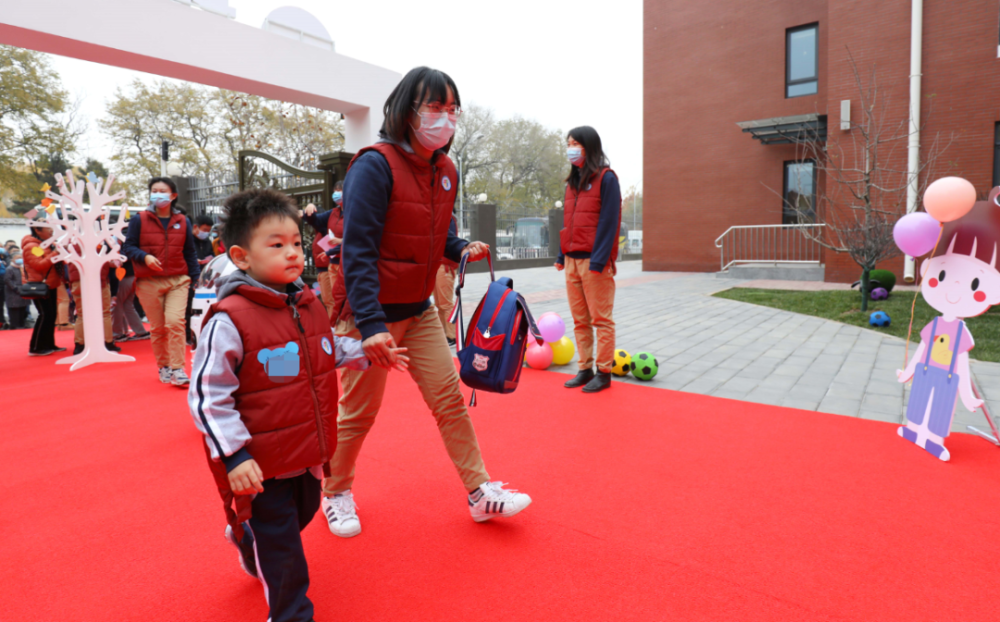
(775, 271)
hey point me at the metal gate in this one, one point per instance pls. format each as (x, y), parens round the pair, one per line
(260, 170)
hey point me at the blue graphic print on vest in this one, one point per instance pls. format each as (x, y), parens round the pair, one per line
(281, 364)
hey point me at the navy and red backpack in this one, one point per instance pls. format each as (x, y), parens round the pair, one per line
(491, 355)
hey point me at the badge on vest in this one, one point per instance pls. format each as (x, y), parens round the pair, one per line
(446, 183)
(281, 364)
(589, 186)
(327, 346)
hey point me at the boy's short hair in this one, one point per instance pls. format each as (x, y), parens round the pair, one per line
(204, 219)
(244, 211)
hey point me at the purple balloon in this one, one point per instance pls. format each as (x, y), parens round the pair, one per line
(552, 327)
(916, 233)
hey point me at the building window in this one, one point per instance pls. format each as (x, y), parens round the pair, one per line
(801, 61)
(996, 155)
(799, 193)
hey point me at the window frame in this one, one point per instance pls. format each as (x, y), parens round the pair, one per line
(785, 209)
(788, 61)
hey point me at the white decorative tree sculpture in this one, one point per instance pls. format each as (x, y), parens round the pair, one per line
(88, 240)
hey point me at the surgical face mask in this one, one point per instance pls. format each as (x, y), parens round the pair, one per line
(575, 155)
(201, 235)
(436, 129)
(160, 199)
(338, 197)
(19, 261)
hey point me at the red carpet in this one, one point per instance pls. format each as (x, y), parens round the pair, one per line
(649, 505)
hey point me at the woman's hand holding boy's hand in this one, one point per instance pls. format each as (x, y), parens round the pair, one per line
(402, 361)
(246, 478)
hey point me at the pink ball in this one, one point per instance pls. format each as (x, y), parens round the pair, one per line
(949, 198)
(552, 327)
(539, 356)
(916, 234)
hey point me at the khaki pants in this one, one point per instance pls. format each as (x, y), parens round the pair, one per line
(433, 369)
(326, 280)
(164, 299)
(444, 298)
(592, 300)
(62, 315)
(105, 300)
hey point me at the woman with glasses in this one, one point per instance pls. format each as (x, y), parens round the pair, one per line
(398, 198)
(160, 243)
(588, 248)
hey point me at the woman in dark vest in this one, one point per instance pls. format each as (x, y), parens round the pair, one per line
(160, 244)
(588, 249)
(398, 199)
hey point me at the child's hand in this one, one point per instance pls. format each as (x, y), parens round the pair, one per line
(972, 404)
(401, 361)
(246, 478)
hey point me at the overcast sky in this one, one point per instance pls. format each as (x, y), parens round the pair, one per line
(559, 62)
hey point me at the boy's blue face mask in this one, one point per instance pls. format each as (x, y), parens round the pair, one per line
(338, 197)
(160, 199)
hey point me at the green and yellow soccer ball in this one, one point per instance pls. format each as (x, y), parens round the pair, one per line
(644, 366)
(623, 363)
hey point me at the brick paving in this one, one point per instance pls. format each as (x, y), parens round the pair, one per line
(741, 351)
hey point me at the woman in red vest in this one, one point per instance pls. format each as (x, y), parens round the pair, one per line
(588, 250)
(160, 244)
(398, 197)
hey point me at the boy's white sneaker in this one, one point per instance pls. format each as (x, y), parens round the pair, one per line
(341, 514)
(165, 375)
(491, 500)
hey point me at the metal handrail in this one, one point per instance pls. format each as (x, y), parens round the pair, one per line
(767, 244)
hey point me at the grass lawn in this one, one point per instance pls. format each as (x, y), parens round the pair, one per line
(845, 306)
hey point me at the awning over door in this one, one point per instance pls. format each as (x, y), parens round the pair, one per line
(803, 128)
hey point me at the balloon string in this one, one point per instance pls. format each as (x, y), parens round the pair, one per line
(913, 307)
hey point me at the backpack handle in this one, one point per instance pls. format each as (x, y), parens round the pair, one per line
(465, 261)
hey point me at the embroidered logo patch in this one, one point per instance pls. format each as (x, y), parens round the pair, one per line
(281, 364)
(327, 346)
(480, 362)
(446, 184)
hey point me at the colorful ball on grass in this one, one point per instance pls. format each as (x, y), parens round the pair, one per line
(623, 363)
(880, 319)
(879, 293)
(644, 366)
(539, 356)
(562, 351)
(552, 327)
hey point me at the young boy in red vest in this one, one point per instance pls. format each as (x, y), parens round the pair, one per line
(264, 394)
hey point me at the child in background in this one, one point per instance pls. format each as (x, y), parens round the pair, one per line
(265, 396)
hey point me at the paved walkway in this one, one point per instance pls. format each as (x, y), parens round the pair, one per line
(741, 351)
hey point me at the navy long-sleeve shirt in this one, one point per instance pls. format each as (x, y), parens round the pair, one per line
(321, 223)
(367, 189)
(607, 226)
(130, 247)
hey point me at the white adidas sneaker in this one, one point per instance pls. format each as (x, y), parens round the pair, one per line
(496, 502)
(341, 514)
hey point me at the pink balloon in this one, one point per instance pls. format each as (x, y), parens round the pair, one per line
(539, 356)
(916, 234)
(949, 198)
(552, 327)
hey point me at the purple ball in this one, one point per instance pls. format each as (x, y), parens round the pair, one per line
(552, 327)
(879, 293)
(916, 234)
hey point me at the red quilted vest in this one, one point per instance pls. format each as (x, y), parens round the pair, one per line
(167, 245)
(287, 397)
(320, 258)
(581, 215)
(416, 228)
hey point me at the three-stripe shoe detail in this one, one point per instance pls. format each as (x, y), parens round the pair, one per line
(492, 500)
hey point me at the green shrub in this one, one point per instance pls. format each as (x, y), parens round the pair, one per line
(885, 278)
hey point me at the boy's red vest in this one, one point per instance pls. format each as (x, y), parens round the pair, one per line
(167, 245)
(416, 228)
(292, 420)
(581, 215)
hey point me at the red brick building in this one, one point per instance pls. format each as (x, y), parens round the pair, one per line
(711, 65)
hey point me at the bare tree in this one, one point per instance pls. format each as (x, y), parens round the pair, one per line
(865, 181)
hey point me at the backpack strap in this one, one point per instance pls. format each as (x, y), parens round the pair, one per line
(456, 314)
(954, 352)
(927, 359)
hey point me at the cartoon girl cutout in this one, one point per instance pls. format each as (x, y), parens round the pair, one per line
(959, 285)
